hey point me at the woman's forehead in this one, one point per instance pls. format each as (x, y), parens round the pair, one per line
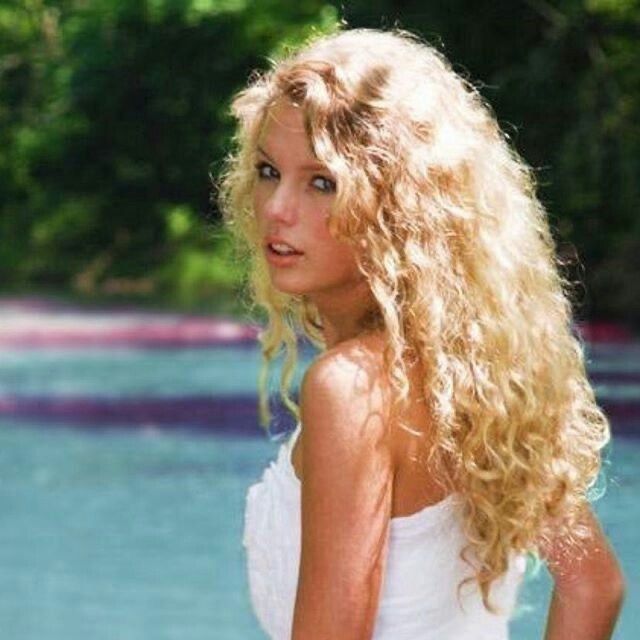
(283, 126)
(285, 115)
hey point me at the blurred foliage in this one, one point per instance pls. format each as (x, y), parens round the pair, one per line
(113, 116)
(114, 113)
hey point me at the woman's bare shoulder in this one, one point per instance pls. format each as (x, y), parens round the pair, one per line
(364, 351)
(347, 385)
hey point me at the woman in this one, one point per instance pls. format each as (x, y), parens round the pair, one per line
(447, 427)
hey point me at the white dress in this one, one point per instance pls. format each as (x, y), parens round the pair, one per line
(418, 595)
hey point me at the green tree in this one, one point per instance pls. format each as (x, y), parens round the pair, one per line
(115, 120)
(113, 113)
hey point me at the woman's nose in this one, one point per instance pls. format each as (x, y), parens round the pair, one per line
(282, 204)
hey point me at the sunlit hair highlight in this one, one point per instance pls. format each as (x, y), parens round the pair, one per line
(459, 256)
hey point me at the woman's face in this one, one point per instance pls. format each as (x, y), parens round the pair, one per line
(292, 198)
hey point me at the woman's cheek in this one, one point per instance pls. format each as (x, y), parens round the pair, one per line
(258, 206)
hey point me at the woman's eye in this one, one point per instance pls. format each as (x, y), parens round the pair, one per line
(324, 184)
(266, 171)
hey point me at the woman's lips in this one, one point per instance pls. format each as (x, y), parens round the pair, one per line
(282, 260)
(277, 240)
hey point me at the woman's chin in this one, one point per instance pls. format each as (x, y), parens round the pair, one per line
(289, 288)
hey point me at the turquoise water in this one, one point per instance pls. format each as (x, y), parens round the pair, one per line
(124, 372)
(135, 534)
(131, 533)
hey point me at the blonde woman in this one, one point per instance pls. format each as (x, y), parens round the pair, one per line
(446, 430)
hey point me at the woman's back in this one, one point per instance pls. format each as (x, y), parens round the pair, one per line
(414, 486)
(418, 598)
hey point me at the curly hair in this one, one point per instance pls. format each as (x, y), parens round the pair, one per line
(460, 258)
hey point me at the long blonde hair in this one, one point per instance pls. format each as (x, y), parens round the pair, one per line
(460, 259)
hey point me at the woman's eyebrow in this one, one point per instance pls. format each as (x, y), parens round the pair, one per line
(316, 166)
(265, 154)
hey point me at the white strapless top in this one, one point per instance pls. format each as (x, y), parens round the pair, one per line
(418, 595)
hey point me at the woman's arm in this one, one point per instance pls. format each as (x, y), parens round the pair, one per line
(588, 590)
(347, 481)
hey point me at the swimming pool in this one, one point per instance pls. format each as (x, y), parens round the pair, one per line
(133, 530)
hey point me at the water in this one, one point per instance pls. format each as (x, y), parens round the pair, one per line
(134, 532)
